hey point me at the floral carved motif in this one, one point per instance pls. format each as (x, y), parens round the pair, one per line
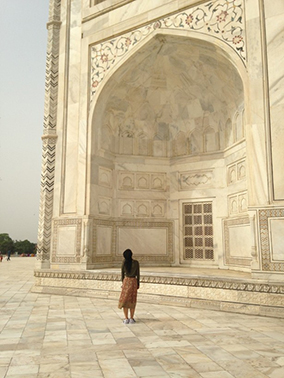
(191, 180)
(221, 19)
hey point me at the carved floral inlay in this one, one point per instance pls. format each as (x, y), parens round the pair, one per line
(222, 19)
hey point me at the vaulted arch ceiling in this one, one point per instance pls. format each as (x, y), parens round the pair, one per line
(172, 86)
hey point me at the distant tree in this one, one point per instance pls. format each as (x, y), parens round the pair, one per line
(6, 243)
(24, 246)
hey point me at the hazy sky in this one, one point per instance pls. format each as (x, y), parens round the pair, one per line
(23, 39)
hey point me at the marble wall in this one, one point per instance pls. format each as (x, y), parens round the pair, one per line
(160, 105)
(274, 37)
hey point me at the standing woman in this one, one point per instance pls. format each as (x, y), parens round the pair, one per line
(130, 277)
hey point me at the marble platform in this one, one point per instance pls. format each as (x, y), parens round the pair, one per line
(212, 289)
(59, 336)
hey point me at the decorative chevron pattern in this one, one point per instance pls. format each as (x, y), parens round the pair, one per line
(49, 132)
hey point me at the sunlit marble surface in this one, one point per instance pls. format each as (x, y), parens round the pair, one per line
(66, 336)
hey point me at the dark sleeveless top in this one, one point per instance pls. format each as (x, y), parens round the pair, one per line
(134, 272)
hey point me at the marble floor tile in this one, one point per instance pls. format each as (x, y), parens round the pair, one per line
(219, 374)
(103, 339)
(117, 368)
(150, 371)
(111, 354)
(23, 369)
(273, 372)
(22, 376)
(207, 367)
(3, 370)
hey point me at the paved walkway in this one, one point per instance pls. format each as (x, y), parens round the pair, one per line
(58, 336)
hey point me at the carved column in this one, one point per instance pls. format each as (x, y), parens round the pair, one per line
(49, 136)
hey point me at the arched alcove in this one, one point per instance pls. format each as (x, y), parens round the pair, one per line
(162, 117)
(171, 86)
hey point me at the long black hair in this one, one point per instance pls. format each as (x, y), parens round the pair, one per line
(127, 254)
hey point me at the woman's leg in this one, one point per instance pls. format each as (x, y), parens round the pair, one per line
(132, 311)
(125, 310)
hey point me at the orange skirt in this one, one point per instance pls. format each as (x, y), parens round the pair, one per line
(128, 296)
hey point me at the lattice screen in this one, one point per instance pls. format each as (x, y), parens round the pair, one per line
(198, 231)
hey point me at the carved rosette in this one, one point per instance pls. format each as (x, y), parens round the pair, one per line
(222, 19)
(49, 132)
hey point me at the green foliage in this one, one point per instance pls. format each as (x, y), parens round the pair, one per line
(20, 246)
(24, 246)
(6, 243)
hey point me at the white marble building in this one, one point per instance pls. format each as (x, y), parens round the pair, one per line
(163, 133)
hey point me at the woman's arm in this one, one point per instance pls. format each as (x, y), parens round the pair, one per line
(138, 275)
(122, 271)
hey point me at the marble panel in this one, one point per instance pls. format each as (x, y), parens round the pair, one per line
(127, 208)
(71, 103)
(104, 240)
(275, 43)
(158, 209)
(237, 234)
(142, 181)
(126, 180)
(276, 227)
(237, 203)
(142, 209)
(268, 230)
(233, 205)
(66, 240)
(236, 172)
(241, 170)
(134, 238)
(105, 177)
(104, 205)
(238, 246)
(194, 179)
(277, 115)
(158, 181)
(154, 181)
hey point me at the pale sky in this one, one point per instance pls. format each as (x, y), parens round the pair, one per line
(23, 40)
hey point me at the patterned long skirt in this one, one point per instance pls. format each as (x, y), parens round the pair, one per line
(128, 296)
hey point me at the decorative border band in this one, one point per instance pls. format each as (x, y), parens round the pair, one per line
(180, 281)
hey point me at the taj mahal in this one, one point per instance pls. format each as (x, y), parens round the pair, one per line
(163, 133)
